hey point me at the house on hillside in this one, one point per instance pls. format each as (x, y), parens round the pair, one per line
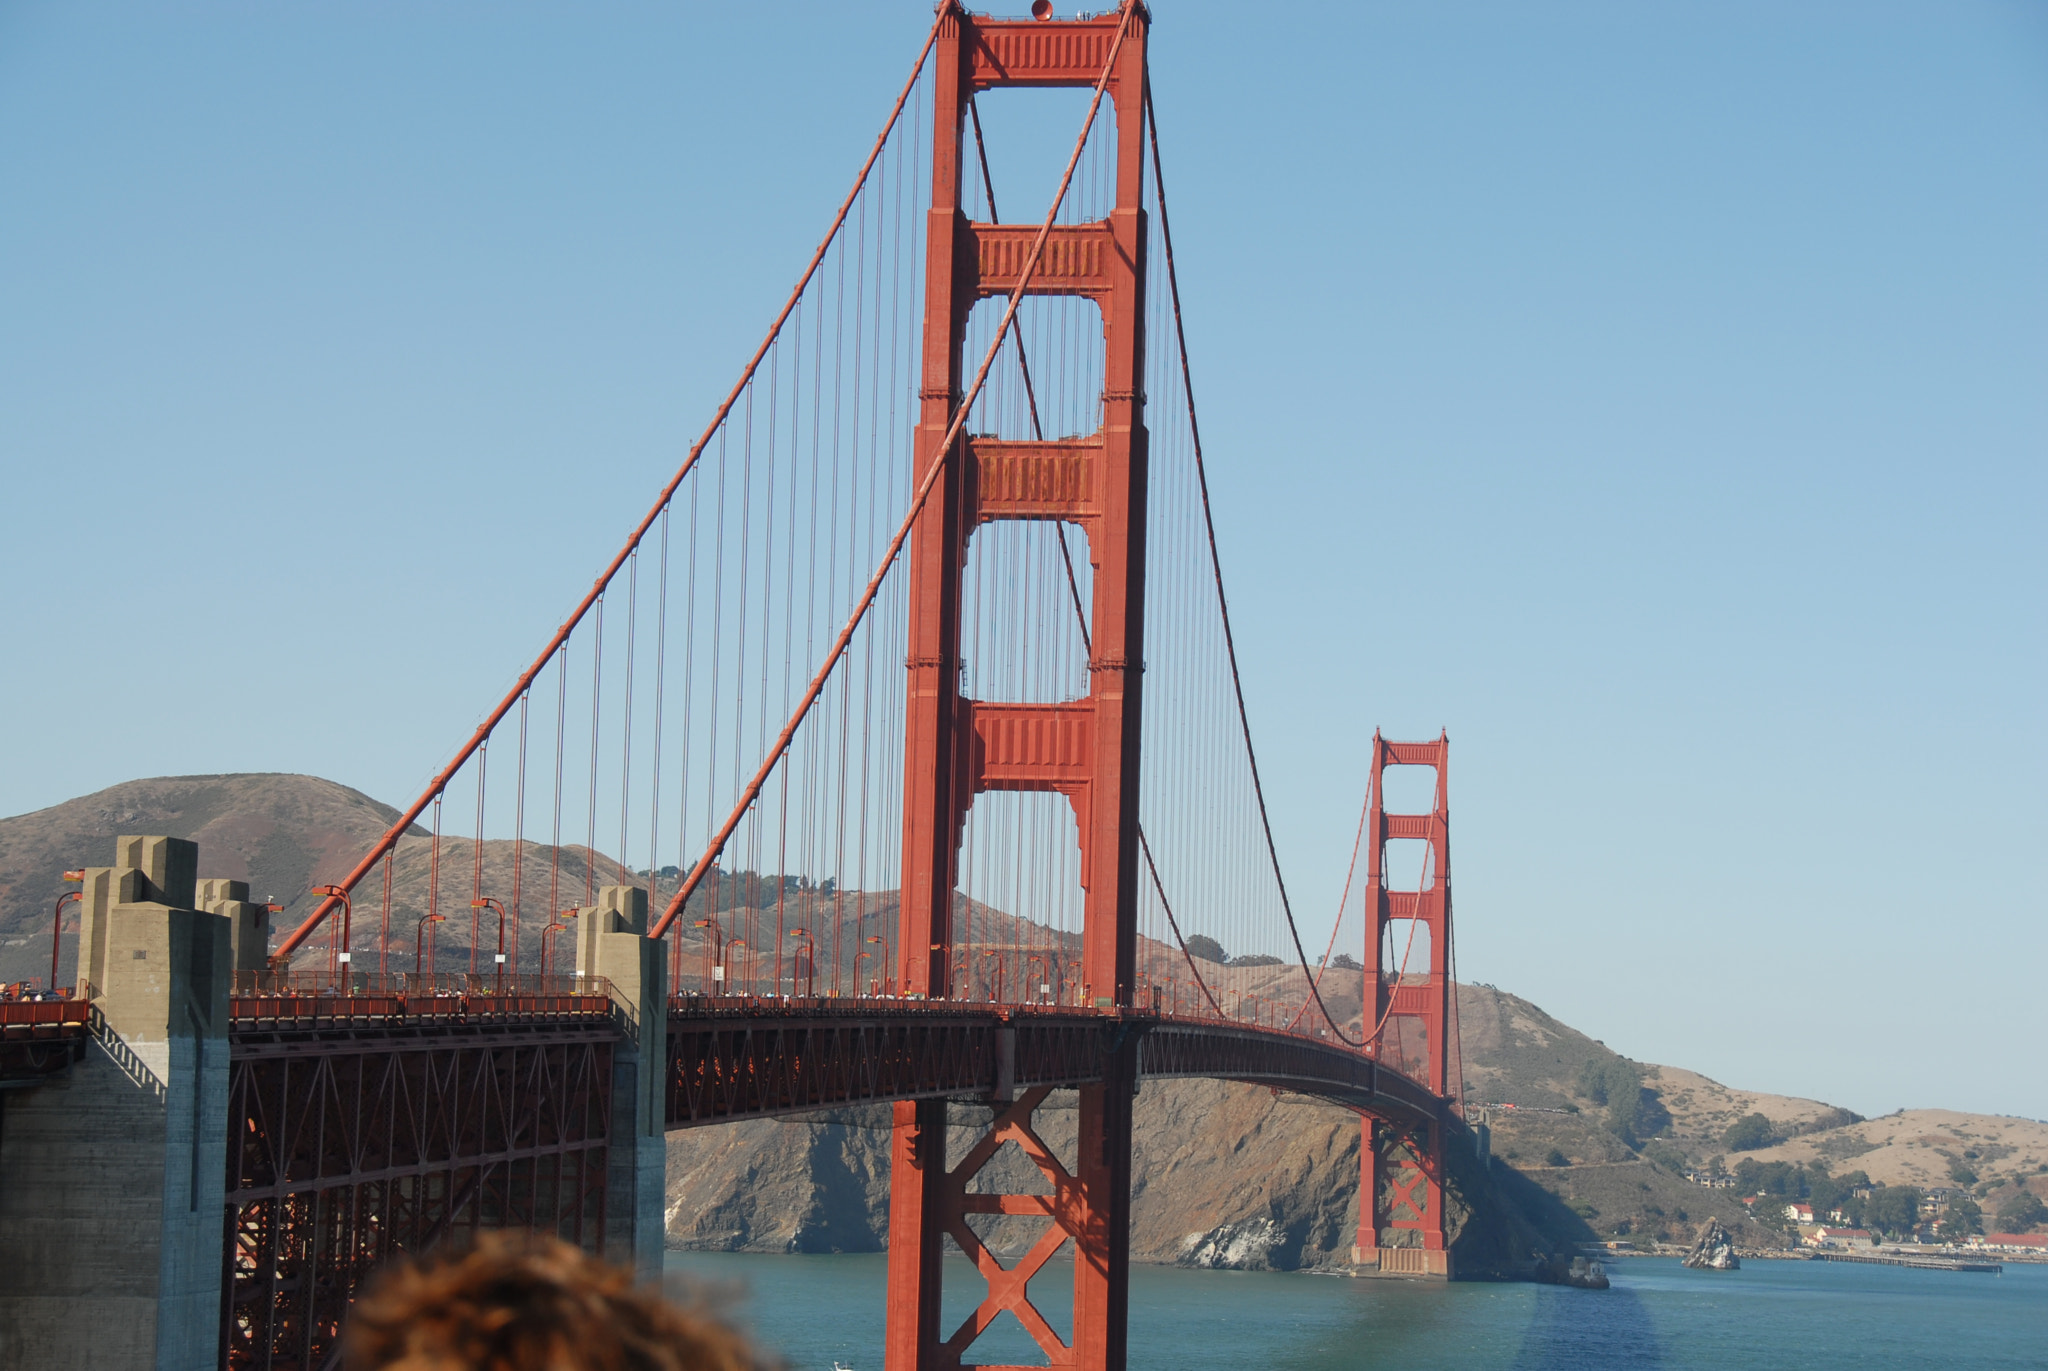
(1935, 1198)
(1836, 1235)
(1799, 1213)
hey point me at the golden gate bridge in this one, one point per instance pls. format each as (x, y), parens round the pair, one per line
(917, 687)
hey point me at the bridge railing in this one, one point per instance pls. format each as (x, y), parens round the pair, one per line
(1157, 1010)
(299, 998)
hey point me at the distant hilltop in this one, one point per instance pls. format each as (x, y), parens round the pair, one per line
(1594, 1145)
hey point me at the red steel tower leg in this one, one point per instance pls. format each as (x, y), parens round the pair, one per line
(1086, 750)
(1400, 1181)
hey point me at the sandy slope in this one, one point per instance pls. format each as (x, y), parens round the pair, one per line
(1916, 1146)
(1702, 1109)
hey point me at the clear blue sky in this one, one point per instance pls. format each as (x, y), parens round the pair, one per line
(1655, 396)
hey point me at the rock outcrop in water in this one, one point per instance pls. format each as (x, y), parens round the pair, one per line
(1715, 1250)
(1243, 1246)
(1581, 1273)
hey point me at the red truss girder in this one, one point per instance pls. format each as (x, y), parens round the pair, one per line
(754, 1062)
(347, 1147)
(749, 1063)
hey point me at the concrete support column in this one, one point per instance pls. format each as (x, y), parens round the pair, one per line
(612, 943)
(248, 921)
(112, 1178)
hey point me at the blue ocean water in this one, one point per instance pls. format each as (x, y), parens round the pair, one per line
(1808, 1316)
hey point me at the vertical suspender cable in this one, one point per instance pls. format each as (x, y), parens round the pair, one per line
(440, 782)
(938, 466)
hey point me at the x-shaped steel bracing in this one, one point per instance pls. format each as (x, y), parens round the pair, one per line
(1066, 1206)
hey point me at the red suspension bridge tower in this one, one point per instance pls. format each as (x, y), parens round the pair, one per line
(1086, 749)
(1413, 1001)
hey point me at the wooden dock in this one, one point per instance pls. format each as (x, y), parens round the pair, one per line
(1923, 1263)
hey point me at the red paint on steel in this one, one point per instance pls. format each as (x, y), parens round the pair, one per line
(348, 1148)
(1087, 751)
(57, 927)
(1401, 1167)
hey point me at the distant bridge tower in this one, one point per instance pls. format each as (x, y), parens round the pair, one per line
(1086, 749)
(1401, 1170)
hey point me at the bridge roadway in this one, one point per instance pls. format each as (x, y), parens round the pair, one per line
(749, 1058)
(744, 1057)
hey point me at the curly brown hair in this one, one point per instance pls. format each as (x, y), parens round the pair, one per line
(514, 1302)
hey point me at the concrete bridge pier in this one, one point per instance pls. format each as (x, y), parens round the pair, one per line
(112, 1177)
(612, 942)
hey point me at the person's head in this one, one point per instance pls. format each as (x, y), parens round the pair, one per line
(514, 1302)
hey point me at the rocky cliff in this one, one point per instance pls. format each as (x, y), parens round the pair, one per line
(1225, 1175)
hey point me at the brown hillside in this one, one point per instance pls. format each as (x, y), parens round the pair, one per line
(279, 832)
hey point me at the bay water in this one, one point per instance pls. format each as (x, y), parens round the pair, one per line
(815, 1312)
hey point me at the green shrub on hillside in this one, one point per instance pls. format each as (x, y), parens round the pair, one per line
(1748, 1133)
(2022, 1212)
(1617, 1083)
(1962, 1219)
(1893, 1209)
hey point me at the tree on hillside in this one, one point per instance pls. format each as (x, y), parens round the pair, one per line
(1344, 961)
(1617, 1083)
(1207, 948)
(2022, 1212)
(1963, 1218)
(1837, 1192)
(1753, 1177)
(1748, 1133)
(1894, 1209)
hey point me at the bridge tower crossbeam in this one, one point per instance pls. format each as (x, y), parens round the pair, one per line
(1086, 749)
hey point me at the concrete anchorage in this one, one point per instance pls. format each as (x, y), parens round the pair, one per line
(112, 1177)
(612, 943)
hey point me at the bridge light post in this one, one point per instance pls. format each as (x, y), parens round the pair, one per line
(712, 945)
(419, 942)
(996, 990)
(340, 957)
(731, 968)
(1043, 981)
(808, 958)
(546, 938)
(57, 923)
(886, 964)
(488, 903)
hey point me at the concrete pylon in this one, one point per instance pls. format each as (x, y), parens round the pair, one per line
(248, 921)
(112, 1177)
(612, 943)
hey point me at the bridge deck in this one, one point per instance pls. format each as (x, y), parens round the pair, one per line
(755, 1058)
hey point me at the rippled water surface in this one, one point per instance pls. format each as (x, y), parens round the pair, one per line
(815, 1311)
